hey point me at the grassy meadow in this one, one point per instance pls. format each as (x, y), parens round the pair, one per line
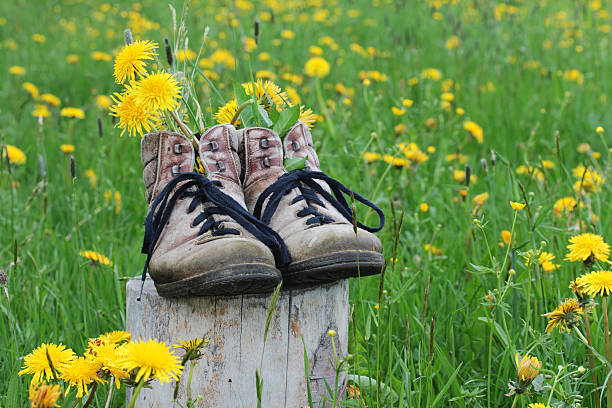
(441, 112)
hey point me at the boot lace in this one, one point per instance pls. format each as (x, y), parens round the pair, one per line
(202, 190)
(310, 191)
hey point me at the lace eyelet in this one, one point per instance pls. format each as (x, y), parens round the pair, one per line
(266, 161)
(296, 145)
(263, 143)
(176, 170)
(214, 146)
(221, 166)
(178, 148)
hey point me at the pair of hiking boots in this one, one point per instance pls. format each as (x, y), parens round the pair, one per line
(249, 223)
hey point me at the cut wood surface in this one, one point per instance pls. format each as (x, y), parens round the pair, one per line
(225, 376)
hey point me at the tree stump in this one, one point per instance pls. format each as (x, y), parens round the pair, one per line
(225, 376)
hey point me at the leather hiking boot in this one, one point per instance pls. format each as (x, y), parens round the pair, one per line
(199, 239)
(308, 210)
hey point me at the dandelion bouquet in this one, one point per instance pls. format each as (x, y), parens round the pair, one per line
(158, 96)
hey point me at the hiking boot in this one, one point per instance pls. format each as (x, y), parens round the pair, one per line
(200, 240)
(308, 210)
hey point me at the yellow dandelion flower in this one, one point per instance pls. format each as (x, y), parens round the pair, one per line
(70, 112)
(130, 60)
(79, 373)
(566, 316)
(480, 199)
(192, 348)
(107, 355)
(96, 258)
(371, 157)
(584, 246)
(432, 249)
(538, 405)
(152, 359)
(474, 130)
(41, 110)
(398, 162)
(546, 261)
(431, 73)
(37, 362)
(72, 59)
(67, 148)
(101, 56)
(407, 102)
(226, 113)
(157, 91)
(44, 395)
(307, 117)
(39, 38)
(187, 54)
(17, 70)
(51, 99)
(505, 238)
(517, 206)
(597, 283)
(317, 67)
(15, 154)
(527, 368)
(116, 337)
(103, 101)
(424, 207)
(133, 117)
(264, 92)
(599, 129)
(565, 205)
(397, 111)
(91, 176)
(31, 89)
(548, 164)
(456, 156)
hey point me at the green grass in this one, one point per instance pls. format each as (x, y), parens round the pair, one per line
(528, 115)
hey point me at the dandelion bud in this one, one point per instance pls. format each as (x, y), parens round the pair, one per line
(41, 166)
(373, 135)
(493, 158)
(527, 368)
(468, 174)
(512, 272)
(168, 51)
(100, 127)
(581, 370)
(256, 31)
(543, 244)
(349, 357)
(483, 163)
(72, 167)
(331, 333)
(127, 36)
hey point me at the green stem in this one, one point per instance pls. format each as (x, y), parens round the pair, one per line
(516, 397)
(552, 390)
(607, 329)
(191, 367)
(136, 392)
(91, 394)
(328, 118)
(239, 110)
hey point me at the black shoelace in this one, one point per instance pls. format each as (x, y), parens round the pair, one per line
(202, 190)
(305, 181)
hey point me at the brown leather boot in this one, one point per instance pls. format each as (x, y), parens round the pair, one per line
(199, 237)
(308, 210)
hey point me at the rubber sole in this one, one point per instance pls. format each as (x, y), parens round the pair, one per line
(232, 280)
(332, 267)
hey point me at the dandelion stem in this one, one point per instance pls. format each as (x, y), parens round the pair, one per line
(552, 390)
(587, 325)
(239, 111)
(607, 330)
(328, 118)
(110, 393)
(516, 397)
(186, 131)
(91, 394)
(136, 392)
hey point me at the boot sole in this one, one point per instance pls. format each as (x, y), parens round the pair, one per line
(233, 280)
(332, 267)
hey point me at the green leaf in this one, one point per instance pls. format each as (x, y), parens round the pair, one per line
(287, 118)
(274, 115)
(265, 119)
(295, 163)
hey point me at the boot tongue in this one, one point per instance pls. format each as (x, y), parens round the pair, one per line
(298, 143)
(219, 155)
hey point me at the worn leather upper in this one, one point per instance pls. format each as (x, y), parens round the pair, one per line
(264, 165)
(181, 251)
